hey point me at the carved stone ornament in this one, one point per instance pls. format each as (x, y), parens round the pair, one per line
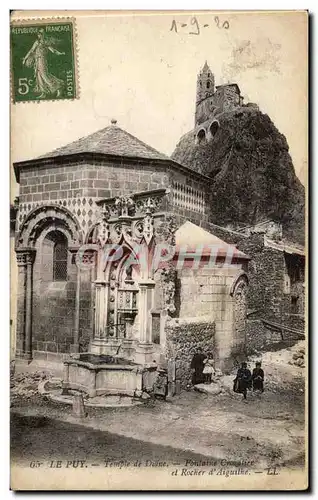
(137, 230)
(127, 232)
(25, 257)
(121, 230)
(148, 229)
(103, 232)
(125, 206)
(21, 259)
(148, 205)
(43, 217)
(116, 232)
(105, 213)
(119, 217)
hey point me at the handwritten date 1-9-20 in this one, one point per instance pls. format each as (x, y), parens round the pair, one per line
(194, 26)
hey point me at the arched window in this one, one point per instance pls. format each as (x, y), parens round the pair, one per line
(201, 137)
(208, 83)
(294, 309)
(60, 258)
(214, 128)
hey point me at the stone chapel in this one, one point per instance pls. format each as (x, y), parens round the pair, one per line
(110, 188)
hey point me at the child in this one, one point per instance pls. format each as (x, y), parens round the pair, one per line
(208, 370)
(258, 377)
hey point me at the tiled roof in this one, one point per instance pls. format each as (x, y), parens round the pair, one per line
(111, 140)
(191, 236)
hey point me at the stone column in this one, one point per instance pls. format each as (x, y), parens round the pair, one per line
(75, 346)
(145, 348)
(25, 260)
(101, 288)
(20, 332)
(97, 345)
(146, 288)
(28, 309)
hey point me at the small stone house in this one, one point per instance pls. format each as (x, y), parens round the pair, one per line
(276, 293)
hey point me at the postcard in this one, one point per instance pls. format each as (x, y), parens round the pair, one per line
(158, 250)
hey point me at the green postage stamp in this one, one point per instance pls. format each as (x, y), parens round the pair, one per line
(43, 60)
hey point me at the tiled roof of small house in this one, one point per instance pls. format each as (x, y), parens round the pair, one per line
(111, 140)
(190, 237)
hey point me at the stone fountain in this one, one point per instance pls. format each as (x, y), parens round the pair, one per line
(121, 359)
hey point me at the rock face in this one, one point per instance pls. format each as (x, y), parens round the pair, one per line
(253, 177)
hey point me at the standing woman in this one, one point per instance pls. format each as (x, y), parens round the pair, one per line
(197, 365)
(243, 380)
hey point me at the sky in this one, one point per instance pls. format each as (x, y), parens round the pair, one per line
(141, 69)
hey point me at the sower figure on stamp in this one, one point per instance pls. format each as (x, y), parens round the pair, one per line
(46, 83)
(258, 377)
(243, 380)
(197, 366)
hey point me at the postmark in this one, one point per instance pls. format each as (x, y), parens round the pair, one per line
(43, 60)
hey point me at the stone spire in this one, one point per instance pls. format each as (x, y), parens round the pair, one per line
(206, 66)
(205, 83)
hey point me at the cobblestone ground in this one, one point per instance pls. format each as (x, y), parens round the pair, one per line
(268, 428)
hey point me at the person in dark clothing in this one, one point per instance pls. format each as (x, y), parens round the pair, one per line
(197, 366)
(243, 380)
(258, 377)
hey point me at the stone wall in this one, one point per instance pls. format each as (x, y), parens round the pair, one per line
(226, 98)
(267, 275)
(295, 321)
(95, 179)
(188, 198)
(76, 186)
(183, 337)
(256, 336)
(267, 291)
(206, 292)
(267, 295)
(260, 339)
(205, 110)
(53, 311)
(53, 303)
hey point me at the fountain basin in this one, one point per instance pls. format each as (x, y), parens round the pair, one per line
(98, 375)
(99, 359)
